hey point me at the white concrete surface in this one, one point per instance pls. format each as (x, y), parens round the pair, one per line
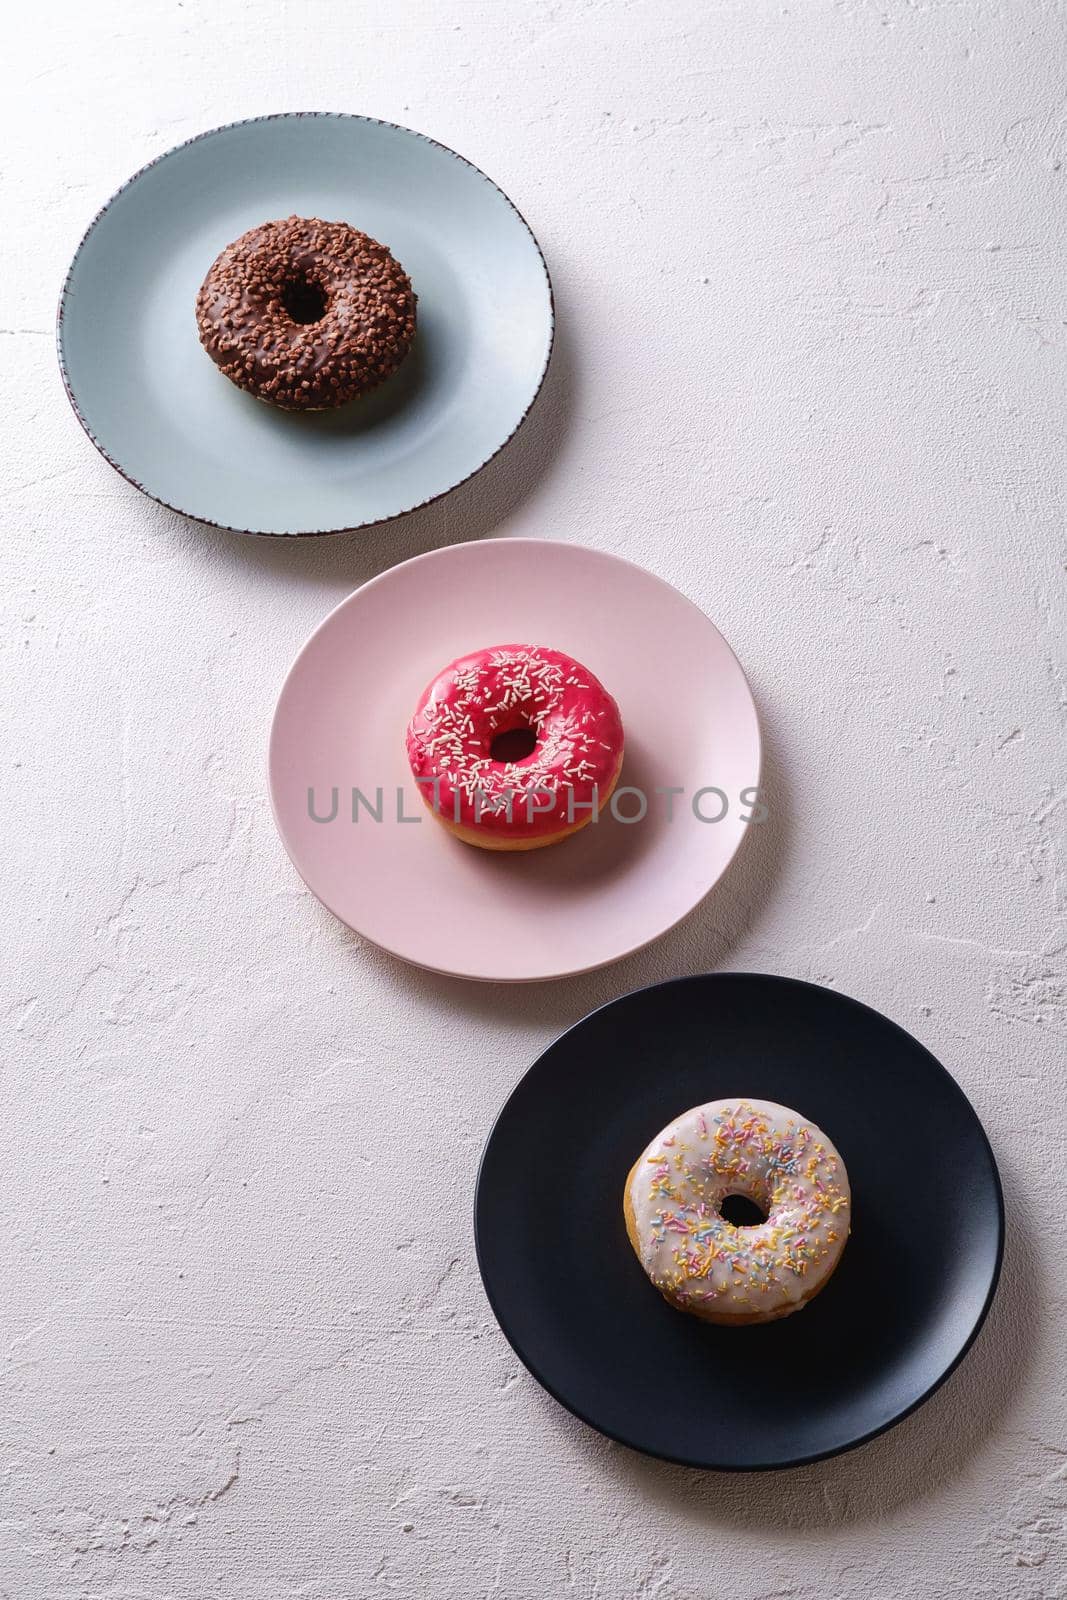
(809, 260)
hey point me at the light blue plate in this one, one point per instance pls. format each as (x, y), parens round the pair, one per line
(155, 405)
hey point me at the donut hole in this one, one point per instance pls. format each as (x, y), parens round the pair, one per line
(514, 744)
(304, 300)
(742, 1212)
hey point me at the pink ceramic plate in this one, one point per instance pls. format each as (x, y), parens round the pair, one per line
(339, 726)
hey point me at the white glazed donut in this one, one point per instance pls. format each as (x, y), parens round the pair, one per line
(703, 1264)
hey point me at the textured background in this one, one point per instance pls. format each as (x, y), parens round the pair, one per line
(809, 261)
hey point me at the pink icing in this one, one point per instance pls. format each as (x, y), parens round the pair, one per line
(490, 692)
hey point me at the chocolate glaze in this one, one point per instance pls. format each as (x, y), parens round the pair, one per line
(306, 314)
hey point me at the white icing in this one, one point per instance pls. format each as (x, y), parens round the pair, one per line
(770, 1154)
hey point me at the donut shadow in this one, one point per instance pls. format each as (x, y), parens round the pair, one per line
(914, 1460)
(607, 848)
(412, 384)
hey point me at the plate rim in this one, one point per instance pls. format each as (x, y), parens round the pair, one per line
(807, 1458)
(300, 533)
(443, 552)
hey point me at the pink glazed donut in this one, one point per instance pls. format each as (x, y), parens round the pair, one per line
(515, 747)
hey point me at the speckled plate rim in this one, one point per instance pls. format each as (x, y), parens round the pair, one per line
(802, 1460)
(303, 533)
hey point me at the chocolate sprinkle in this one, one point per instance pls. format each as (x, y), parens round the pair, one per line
(306, 314)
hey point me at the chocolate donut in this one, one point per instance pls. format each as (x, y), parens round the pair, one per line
(306, 314)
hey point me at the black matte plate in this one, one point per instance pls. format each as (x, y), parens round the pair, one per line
(912, 1289)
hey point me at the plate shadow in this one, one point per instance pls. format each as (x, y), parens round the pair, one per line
(701, 942)
(913, 1461)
